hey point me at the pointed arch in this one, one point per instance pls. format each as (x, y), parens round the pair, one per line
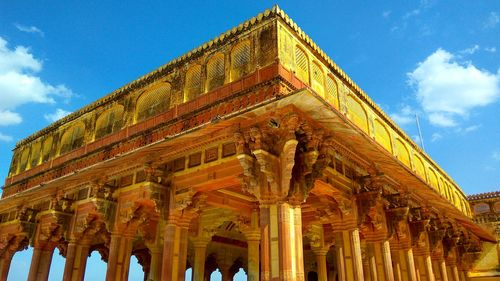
(192, 87)
(215, 72)
(357, 113)
(318, 78)
(382, 135)
(332, 91)
(47, 149)
(109, 121)
(72, 138)
(240, 60)
(153, 102)
(301, 64)
(35, 153)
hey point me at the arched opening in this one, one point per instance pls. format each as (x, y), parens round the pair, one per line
(109, 121)
(216, 275)
(236, 268)
(312, 276)
(189, 274)
(72, 138)
(57, 265)
(96, 266)
(240, 275)
(136, 271)
(20, 265)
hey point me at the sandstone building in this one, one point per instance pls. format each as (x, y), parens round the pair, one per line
(486, 209)
(254, 151)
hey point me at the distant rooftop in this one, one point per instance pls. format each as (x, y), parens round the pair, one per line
(485, 195)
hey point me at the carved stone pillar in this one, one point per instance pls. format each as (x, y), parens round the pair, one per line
(419, 225)
(281, 249)
(76, 260)
(321, 264)
(12, 240)
(253, 241)
(200, 249)
(120, 251)
(156, 263)
(40, 263)
(51, 227)
(372, 221)
(348, 252)
(280, 180)
(5, 261)
(175, 251)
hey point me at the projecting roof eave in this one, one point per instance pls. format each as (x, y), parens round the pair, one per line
(322, 112)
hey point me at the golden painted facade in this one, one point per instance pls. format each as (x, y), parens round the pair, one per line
(486, 209)
(253, 151)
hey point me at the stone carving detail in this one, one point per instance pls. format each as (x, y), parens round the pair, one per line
(370, 217)
(397, 217)
(282, 159)
(419, 223)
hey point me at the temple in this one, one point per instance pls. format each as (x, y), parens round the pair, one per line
(254, 151)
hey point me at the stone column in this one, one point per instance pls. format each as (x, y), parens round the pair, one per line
(381, 256)
(120, 250)
(156, 263)
(76, 260)
(321, 264)
(253, 241)
(442, 270)
(5, 265)
(40, 263)
(281, 252)
(175, 251)
(200, 250)
(349, 260)
(424, 267)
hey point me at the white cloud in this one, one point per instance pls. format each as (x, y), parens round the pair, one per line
(496, 155)
(492, 20)
(490, 49)
(9, 118)
(19, 83)
(472, 128)
(29, 29)
(436, 137)
(58, 114)
(412, 13)
(405, 116)
(448, 90)
(386, 14)
(471, 50)
(5, 138)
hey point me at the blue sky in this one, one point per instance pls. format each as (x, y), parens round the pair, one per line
(437, 59)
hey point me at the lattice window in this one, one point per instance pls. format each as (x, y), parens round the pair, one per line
(215, 72)
(318, 81)
(301, 64)
(23, 163)
(153, 102)
(72, 139)
(332, 92)
(240, 60)
(192, 88)
(35, 154)
(47, 148)
(109, 121)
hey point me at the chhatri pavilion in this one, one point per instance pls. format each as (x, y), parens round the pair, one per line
(254, 151)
